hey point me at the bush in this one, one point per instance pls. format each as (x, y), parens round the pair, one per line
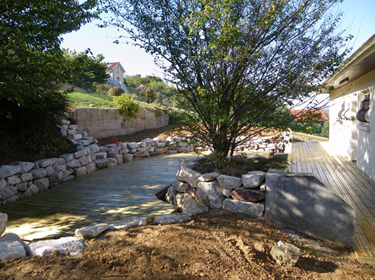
(102, 88)
(115, 91)
(126, 105)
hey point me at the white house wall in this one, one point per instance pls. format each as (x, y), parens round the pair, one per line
(342, 129)
(366, 137)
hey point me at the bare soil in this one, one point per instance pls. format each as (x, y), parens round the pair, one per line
(214, 245)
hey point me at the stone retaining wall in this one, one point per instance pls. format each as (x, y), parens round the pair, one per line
(100, 123)
(24, 179)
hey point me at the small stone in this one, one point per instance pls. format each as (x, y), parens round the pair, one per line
(38, 173)
(46, 162)
(66, 245)
(253, 179)
(13, 180)
(285, 254)
(248, 195)
(229, 182)
(208, 177)
(42, 184)
(250, 208)
(172, 219)
(91, 231)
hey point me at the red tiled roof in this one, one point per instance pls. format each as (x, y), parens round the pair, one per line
(112, 64)
(301, 115)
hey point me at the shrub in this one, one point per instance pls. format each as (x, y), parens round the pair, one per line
(126, 105)
(102, 88)
(115, 91)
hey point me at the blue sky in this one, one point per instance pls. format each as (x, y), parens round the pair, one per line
(359, 20)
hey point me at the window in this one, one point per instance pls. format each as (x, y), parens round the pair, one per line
(117, 69)
(118, 79)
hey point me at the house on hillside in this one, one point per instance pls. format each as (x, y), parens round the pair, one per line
(116, 73)
(309, 115)
(352, 114)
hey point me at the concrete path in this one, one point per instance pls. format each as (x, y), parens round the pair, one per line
(114, 193)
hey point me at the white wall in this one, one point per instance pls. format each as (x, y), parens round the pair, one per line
(366, 138)
(342, 125)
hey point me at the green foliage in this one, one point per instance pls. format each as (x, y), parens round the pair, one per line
(101, 88)
(115, 91)
(240, 64)
(86, 70)
(126, 105)
(31, 64)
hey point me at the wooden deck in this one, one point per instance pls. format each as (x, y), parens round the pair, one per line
(346, 179)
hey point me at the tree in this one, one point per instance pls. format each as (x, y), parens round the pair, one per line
(31, 63)
(85, 69)
(241, 64)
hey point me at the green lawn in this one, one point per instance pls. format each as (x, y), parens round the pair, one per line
(84, 100)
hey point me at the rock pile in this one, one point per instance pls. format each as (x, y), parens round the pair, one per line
(196, 193)
(24, 179)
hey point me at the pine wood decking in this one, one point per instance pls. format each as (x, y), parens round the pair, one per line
(346, 179)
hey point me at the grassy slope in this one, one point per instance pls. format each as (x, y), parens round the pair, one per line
(84, 100)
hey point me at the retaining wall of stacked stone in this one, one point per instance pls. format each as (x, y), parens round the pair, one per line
(24, 179)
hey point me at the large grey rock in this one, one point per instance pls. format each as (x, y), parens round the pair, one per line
(8, 191)
(46, 162)
(42, 184)
(94, 148)
(132, 145)
(250, 208)
(128, 157)
(9, 170)
(51, 169)
(80, 154)
(253, 179)
(127, 223)
(11, 250)
(13, 180)
(112, 161)
(85, 160)
(65, 245)
(73, 164)
(10, 199)
(3, 184)
(91, 167)
(24, 166)
(180, 186)
(192, 207)
(100, 155)
(208, 177)
(229, 182)
(248, 195)
(67, 157)
(80, 171)
(3, 222)
(285, 254)
(188, 175)
(101, 163)
(172, 219)
(302, 202)
(91, 231)
(21, 187)
(26, 177)
(209, 194)
(38, 173)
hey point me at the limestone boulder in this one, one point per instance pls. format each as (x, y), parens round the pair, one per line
(31, 190)
(248, 195)
(180, 186)
(24, 166)
(171, 195)
(172, 219)
(38, 173)
(128, 157)
(209, 194)
(46, 162)
(127, 223)
(192, 207)
(66, 245)
(249, 208)
(208, 177)
(3, 183)
(253, 179)
(91, 231)
(42, 184)
(73, 164)
(13, 180)
(12, 237)
(229, 182)
(101, 163)
(188, 175)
